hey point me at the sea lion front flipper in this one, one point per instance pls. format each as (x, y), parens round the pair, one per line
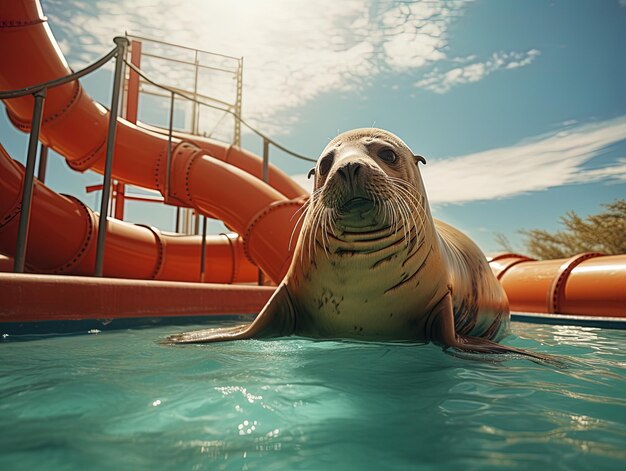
(442, 332)
(276, 319)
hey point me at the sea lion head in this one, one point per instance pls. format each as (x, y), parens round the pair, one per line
(367, 178)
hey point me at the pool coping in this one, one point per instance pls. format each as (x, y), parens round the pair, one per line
(568, 319)
(66, 305)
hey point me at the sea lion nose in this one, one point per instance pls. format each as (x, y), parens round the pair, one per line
(349, 171)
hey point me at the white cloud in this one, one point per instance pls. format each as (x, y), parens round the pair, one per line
(615, 173)
(533, 165)
(294, 50)
(414, 36)
(441, 82)
(65, 47)
(536, 164)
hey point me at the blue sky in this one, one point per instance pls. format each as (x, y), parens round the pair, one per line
(519, 107)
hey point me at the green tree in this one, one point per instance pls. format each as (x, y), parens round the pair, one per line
(603, 232)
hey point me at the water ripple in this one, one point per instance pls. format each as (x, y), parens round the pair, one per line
(301, 404)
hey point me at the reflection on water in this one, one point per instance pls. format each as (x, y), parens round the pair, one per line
(121, 400)
(568, 334)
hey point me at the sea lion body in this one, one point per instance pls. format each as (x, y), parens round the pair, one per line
(369, 283)
(371, 263)
(365, 298)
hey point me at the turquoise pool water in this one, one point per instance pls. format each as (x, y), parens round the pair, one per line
(120, 401)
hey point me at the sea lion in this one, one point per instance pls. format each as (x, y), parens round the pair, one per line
(371, 263)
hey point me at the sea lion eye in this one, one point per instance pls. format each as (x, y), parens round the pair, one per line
(326, 163)
(387, 155)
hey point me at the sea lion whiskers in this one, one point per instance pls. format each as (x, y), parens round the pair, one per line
(399, 216)
(328, 226)
(295, 226)
(313, 231)
(389, 213)
(316, 217)
(408, 220)
(302, 210)
(382, 210)
(415, 197)
(406, 215)
(321, 218)
(309, 224)
(408, 190)
(305, 210)
(392, 215)
(406, 207)
(327, 220)
(305, 205)
(398, 210)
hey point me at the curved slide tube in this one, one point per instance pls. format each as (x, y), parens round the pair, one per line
(239, 158)
(62, 240)
(76, 127)
(588, 284)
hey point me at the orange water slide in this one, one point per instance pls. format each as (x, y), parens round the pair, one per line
(586, 284)
(239, 158)
(62, 240)
(207, 180)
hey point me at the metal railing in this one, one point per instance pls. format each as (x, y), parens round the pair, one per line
(39, 92)
(179, 58)
(175, 92)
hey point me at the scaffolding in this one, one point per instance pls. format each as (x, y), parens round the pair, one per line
(195, 74)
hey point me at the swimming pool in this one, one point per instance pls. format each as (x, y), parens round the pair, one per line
(120, 400)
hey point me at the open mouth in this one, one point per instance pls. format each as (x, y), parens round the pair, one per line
(356, 203)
